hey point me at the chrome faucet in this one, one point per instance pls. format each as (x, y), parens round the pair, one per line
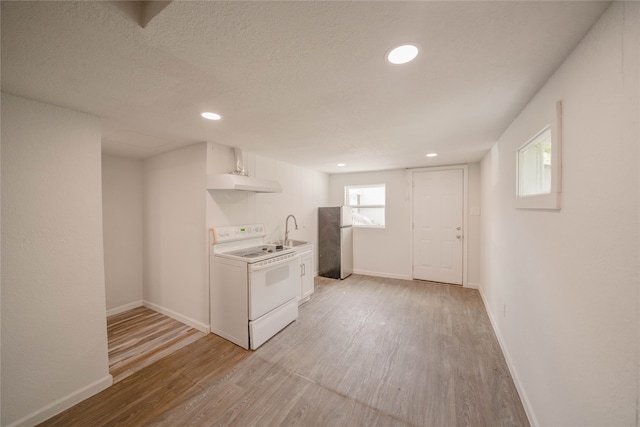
(286, 227)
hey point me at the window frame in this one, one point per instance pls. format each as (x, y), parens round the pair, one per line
(353, 207)
(551, 200)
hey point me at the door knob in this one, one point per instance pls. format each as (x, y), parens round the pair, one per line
(459, 228)
(458, 236)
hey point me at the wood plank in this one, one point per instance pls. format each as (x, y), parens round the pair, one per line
(141, 336)
(364, 351)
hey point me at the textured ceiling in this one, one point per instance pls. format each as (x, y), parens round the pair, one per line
(304, 82)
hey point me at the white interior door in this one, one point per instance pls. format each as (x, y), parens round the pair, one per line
(438, 225)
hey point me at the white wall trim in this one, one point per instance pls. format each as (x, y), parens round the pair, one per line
(472, 285)
(125, 307)
(177, 316)
(64, 403)
(528, 408)
(384, 275)
(465, 212)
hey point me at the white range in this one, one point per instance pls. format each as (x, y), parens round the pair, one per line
(253, 286)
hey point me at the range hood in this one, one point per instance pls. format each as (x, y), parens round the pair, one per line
(229, 181)
(240, 180)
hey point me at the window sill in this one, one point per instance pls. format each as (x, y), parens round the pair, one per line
(549, 201)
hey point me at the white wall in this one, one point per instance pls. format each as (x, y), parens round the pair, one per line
(122, 224)
(303, 190)
(386, 252)
(54, 335)
(176, 263)
(561, 287)
(473, 234)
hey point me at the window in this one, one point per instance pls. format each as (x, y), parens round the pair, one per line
(538, 167)
(367, 203)
(534, 165)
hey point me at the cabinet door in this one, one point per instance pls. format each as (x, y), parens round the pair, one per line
(306, 259)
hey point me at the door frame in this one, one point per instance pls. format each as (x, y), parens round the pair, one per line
(465, 216)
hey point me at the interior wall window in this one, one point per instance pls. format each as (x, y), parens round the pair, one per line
(534, 165)
(367, 203)
(538, 166)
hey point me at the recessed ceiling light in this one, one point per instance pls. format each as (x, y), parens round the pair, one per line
(402, 54)
(211, 116)
(341, 164)
(432, 154)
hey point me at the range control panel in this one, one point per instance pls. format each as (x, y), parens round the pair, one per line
(237, 232)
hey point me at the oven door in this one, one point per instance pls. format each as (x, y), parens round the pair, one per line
(272, 283)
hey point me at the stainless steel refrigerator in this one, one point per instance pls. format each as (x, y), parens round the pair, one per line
(335, 242)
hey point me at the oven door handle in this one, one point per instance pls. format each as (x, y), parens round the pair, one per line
(274, 264)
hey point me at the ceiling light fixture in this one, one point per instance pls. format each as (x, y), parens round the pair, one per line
(211, 116)
(402, 54)
(341, 164)
(432, 154)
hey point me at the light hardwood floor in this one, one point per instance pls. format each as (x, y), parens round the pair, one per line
(364, 352)
(139, 337)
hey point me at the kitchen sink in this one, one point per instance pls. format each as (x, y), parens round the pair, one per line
(290, 243)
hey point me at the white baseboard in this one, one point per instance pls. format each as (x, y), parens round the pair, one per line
(379, 274)
(179, 317)
(64, 403)
(472, 285)
(125, 307)
(533, 420)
